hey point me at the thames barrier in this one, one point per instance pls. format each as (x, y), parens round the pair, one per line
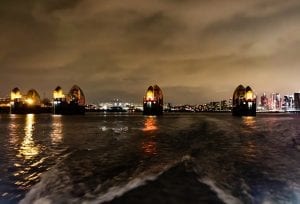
(243, 102)
(153, 101)
(74, 102)
(61, 104)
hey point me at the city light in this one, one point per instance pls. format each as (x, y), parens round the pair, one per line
(150, 95)
(58, 94)
(29, 101)
(249, 95)
(15, 95)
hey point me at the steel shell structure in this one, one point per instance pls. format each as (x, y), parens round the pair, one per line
(153, 101)
(243, 101)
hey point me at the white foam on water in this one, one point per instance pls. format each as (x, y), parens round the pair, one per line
(43, 201)
(292, 198)
(141, 180)
(223, 195)
(296, 191)
(118, 191)
(58, 183)
(39, 193)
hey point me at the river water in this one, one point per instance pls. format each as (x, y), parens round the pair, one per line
(131, 158)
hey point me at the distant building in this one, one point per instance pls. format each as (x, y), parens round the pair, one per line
(4, 105)
(288, 102)
(244, 102)
(215, 106)
(153, 101)
(297, 101)
(224, 105)
(276, 102)
(4, 102)
(230, 104)
(264, 102)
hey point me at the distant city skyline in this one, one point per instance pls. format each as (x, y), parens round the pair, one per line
(196, 51)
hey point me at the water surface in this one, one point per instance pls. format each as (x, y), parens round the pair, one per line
(130, 158)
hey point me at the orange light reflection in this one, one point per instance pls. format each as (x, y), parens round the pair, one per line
(150, 124)
(249, 121)
(149, 148)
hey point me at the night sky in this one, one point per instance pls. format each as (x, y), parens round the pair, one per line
(195, 50)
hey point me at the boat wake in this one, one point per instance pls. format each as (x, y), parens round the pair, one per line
(179, 181)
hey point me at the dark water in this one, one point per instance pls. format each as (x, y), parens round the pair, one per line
(176, 158)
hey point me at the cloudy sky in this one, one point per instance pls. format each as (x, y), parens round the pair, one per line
(195, 50)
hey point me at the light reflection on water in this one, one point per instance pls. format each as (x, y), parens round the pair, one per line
(22, 158)
(249, 121)
(250, 147)
(149, 148)
(28, 148)
(250, 150)
(13, 128)
(57, 129)
(150, 126)
(243, 162)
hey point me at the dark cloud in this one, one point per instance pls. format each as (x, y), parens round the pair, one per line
(195, 50)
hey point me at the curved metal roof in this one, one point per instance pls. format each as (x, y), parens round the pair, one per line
(77, 95)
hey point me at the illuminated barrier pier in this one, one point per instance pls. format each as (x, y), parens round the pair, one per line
(59, 101)
(243, 102)
(153, 101)
(72, 103)
(23, 104)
